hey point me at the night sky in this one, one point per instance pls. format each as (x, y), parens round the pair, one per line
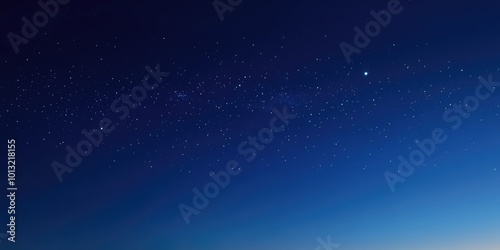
(243, 125)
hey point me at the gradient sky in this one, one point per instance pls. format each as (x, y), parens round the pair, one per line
(322, 176)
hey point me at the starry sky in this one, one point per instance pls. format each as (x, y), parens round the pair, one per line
(324, 174)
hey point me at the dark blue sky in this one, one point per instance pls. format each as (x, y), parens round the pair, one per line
(323, 175)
